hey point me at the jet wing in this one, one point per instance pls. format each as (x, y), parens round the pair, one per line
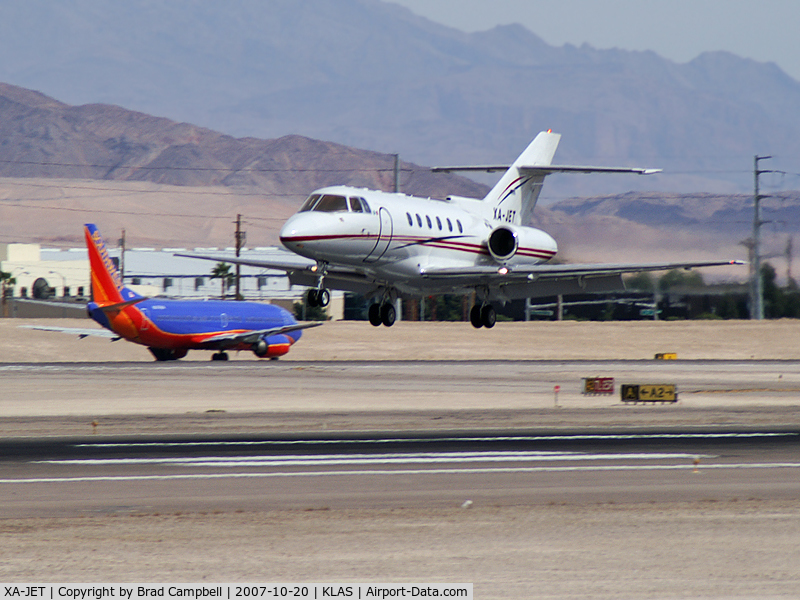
(551, 280)
(535, 272)
(251, 337)
(285, 262)
(81, 332)
(301, 271)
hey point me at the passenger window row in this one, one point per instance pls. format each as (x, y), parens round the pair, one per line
(438, 222)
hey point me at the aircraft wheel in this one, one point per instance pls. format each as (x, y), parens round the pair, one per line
(164, 354)
(323, 297)
(488, 316)
(375, 314)
(475, 317)
(219, 356)
(388, 314)
(312, 299)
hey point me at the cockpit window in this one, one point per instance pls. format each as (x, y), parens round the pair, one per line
(364, 205)
(331, 203)
(356, 204)
(308, 204)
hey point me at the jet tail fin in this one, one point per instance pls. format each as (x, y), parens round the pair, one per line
(514, 196)
(107, 287)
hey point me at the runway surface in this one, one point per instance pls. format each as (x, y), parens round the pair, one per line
(197, 436)
(73, 477)
(405, 470)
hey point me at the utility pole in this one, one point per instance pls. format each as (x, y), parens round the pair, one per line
(396, 173)
(122, 257)
(756, 284)
(241, 236)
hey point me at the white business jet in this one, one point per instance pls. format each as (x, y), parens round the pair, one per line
(390, 245)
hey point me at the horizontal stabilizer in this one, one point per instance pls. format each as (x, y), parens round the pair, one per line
(547, 169)
(120, 305)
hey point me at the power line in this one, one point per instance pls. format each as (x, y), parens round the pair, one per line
(172, 190)
(137, 213)
(201, 169)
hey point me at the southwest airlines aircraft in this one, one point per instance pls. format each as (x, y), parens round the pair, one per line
(388, 245)
(170, 328)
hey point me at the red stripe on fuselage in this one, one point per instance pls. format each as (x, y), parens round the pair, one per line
(434, 242)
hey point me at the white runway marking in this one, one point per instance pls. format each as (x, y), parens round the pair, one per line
(257, 475)
(371, 459)
(634, 462)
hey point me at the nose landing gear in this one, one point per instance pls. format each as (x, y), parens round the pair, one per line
(318, 297)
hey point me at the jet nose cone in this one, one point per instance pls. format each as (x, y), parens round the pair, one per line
(298, 231)
(291, 229)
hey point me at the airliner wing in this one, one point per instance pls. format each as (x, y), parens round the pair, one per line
(251, 337)
(81, 332)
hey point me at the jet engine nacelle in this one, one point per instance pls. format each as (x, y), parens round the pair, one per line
(260, 348)
(514, 245)
(503, 243)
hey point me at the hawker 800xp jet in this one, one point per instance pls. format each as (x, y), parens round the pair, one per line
(389, 245)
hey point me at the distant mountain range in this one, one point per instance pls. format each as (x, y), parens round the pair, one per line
(42, 137)
(370, 74)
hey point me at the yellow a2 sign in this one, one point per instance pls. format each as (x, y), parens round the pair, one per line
(662, 392)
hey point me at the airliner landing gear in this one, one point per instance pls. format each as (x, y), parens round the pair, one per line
(383, 313)
(164, 354)
(221, 355)
(483, 316)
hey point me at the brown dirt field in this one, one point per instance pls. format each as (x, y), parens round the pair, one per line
(358, 340)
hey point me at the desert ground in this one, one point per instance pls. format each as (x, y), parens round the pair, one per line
(721, 547)
(358, 340)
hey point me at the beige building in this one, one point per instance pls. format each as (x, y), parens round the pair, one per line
(148, 271)
(67, 272)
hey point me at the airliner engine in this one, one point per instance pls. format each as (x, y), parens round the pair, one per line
(260, 348)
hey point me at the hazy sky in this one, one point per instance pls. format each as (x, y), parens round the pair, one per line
(764, 30)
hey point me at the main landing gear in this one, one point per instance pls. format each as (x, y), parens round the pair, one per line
(482, 316)
(383, 313)
(221, 355)
(165, 354)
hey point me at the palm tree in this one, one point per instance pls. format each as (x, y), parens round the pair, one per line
(223, 271)
(7, 282)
